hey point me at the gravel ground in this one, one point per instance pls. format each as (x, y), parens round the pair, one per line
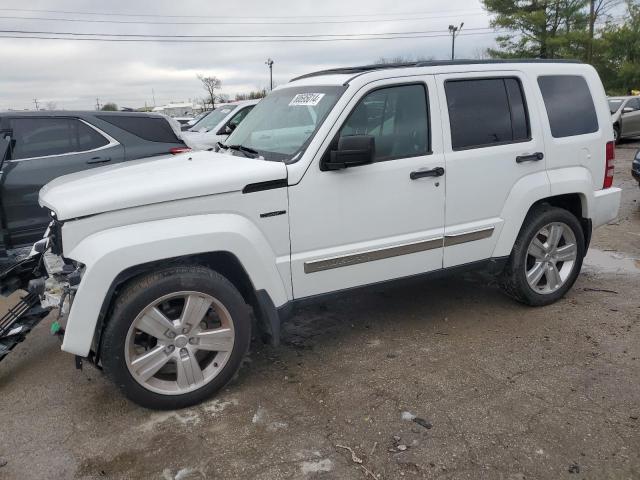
(444, 379)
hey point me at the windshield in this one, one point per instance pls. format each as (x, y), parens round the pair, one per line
(281, 126)
(614, 105)
(212, 119)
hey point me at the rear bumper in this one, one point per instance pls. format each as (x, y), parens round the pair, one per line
(606, 204)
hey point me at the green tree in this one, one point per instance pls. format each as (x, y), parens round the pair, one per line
(110, 107)
(538, 28)
(617, 52)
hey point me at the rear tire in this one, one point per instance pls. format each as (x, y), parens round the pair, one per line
(543, 264)
(176, 336)
(616, 134)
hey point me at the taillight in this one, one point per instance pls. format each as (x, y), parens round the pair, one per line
(177, 150)
(608, 167)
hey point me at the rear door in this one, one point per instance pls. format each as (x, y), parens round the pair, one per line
(44, 148)
(492, 141)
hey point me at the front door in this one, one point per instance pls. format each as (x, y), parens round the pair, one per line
(379, 221)
(43, 149)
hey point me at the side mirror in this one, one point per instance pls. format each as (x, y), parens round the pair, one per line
(628, 110)
(352, 151)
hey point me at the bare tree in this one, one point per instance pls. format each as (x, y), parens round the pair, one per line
(211, 84)
(51, 105)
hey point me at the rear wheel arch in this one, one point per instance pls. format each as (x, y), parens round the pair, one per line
(575, 203)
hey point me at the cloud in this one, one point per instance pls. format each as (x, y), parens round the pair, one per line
(74, 73)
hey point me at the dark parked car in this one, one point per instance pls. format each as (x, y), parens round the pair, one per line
(635, 167)
(40, 146)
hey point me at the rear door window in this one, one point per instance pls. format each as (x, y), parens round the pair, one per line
(42, 137)
(569, 105)
(486, 111)
(152, 129)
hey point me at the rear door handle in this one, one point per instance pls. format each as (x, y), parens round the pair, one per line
(96, 160)
(534, 157)
(433, 172)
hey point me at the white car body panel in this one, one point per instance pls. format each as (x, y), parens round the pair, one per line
(108, 253)
(193, 203)
(148, 181)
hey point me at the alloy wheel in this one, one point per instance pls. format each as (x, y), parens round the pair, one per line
(551, 257)
(179, 343)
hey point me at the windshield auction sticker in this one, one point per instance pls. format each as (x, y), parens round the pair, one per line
(304, 99)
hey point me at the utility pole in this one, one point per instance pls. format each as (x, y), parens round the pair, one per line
(454, 31)
(592, 21)
(97, 103)
(35, 102)
(153, 94)
(269, 63)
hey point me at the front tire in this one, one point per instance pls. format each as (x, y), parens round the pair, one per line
(176, 337)
(546, 257)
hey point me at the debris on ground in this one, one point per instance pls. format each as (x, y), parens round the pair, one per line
(590, 289)
(3, 462)
(423, 423)
(358, 460)
(408, 416)
(574, 468)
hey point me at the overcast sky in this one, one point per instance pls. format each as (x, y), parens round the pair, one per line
(73, 73)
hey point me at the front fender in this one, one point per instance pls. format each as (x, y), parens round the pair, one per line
(107, 253)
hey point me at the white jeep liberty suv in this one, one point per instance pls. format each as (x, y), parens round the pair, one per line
(337, 180)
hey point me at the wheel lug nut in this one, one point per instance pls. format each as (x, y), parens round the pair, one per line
(185, 330)
(193, 340)
(170, 348)
(171, 335)
(184, 351)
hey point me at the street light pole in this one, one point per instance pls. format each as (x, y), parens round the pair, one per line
(454, 31)
(269, 63)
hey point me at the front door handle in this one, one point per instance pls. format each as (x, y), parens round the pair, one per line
(534, 157)
(96, 160)
(433, 172)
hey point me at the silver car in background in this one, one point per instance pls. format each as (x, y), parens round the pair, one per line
(625, 115)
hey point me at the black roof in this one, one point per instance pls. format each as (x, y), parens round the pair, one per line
(429, 63)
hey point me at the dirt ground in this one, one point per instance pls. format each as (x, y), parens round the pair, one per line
(498, 390)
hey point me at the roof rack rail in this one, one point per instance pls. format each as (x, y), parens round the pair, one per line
(429, 63)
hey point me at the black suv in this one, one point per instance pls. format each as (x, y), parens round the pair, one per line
(37, 147)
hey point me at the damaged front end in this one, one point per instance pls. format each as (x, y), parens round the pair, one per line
(49, 280)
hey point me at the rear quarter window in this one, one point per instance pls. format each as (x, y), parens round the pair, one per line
(569, 105)
(152, 129)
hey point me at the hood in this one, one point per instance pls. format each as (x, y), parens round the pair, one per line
(160, 179)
